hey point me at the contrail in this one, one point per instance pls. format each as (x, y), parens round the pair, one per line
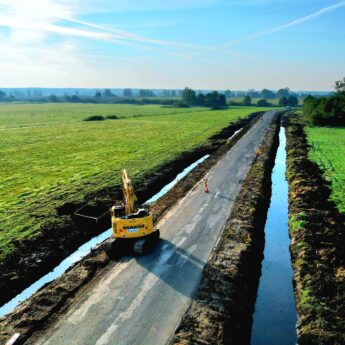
(284, 26)
(134, 37)
(274, 29)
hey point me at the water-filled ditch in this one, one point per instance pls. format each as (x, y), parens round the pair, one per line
(275, 316)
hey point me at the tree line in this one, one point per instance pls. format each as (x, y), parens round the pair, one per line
(188, 97)
(323, 111)
(214, 99)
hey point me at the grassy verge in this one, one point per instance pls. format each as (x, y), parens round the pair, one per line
(328, 151)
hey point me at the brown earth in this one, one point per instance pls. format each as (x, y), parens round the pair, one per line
(317, 232)
(45, 305)
(36, 257)
(221, 312)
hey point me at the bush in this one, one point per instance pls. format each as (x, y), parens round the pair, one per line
(283, 101)
(247, 100)
(167, 102)
(263, 103)
(112, 117)
(180, 104)
(325, 111)
(233, 103)
(95, 118)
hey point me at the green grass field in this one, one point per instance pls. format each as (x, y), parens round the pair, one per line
(328, 150)
(50, 156)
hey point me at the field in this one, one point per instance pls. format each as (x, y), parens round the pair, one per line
(50, 156)
(328, 150)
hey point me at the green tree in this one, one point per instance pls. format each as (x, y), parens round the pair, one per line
(292, 101)
(146, 93)
(189, 96)
(127, 92)
(201, 99)
(263, 103)
(247, 100)
(215, 100)
(2, 95)
(108, 93)
(252, 93)
(340, 87)
(228, 93)
(283, 93)
(53, 99)
(267, 94)
(283, 101)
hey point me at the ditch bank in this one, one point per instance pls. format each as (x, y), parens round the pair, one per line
(221, 312)
(317, 232)
(34, 313)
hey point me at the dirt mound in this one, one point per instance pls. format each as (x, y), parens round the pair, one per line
(317, 232)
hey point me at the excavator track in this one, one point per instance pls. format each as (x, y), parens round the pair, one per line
(116, 248)
(119, 247)
(143, 245)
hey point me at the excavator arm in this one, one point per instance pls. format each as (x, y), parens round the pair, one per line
(129, 196)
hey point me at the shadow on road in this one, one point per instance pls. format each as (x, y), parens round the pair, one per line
(224, 197)
(174, 266)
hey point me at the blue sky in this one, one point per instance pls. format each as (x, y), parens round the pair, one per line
(205, 44)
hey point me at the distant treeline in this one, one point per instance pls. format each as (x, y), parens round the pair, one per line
(149, 96)
(323, 111)
(291, 101)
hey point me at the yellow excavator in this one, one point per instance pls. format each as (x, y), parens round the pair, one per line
(132, 226)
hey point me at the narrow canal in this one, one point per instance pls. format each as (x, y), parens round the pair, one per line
(274, 319)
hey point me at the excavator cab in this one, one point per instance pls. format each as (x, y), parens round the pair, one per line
(118, 211)
(132, 225)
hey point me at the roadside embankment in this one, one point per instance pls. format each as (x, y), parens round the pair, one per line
(34, 313)
(221, 312)
(317, 232)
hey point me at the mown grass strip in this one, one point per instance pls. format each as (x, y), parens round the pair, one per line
(328, 151)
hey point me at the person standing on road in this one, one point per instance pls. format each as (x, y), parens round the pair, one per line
(206, 185)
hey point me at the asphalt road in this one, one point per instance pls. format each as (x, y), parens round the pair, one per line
(143, 299)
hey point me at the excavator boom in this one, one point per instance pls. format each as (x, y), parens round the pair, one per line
(129, 196)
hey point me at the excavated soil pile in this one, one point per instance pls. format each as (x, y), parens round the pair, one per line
(35, 257)
(54, 298)
(317, 233)
(221, 312)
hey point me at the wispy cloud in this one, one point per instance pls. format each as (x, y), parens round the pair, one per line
(46, 16)
(151, 5)
(46, 38)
